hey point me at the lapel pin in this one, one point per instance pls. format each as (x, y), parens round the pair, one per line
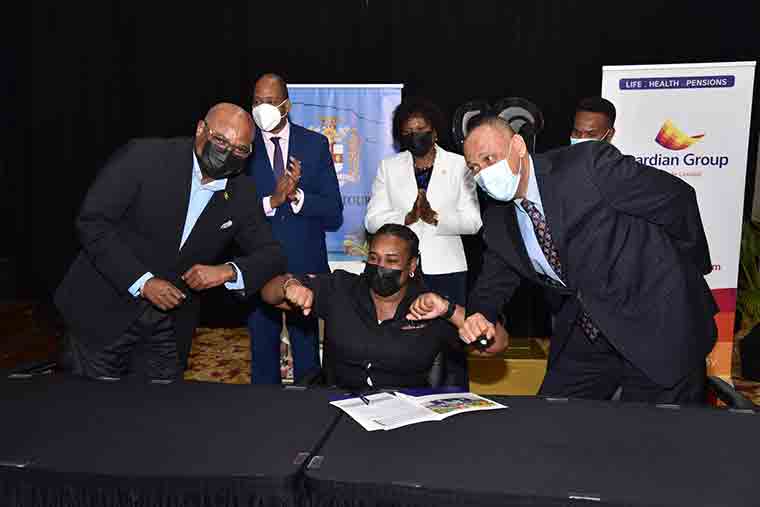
(226, 196)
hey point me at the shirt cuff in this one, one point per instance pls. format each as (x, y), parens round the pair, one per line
(268, 210)
(298, 204)
(137, 287)
(239, 283)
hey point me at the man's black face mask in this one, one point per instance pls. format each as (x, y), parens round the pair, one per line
(218, 163)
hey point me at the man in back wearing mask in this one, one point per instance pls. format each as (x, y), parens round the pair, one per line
(621, 253)
(297, 188)
(594, 121)
(152, 225)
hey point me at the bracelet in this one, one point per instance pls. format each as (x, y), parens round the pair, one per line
(449, 311)
(286, 282)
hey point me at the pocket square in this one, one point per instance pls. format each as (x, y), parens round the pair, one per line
(226, 224)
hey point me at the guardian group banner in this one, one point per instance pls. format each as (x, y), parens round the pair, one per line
(356, 119)
(692, 120)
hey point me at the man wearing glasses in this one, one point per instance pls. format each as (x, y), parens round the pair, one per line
(298, 191)
(152, 225)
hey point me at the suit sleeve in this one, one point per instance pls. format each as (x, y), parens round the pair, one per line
(379, 209)
(465, 219)
(495, 285)
(263, 257)
(106, 202)
(326, 203)
(655, 196)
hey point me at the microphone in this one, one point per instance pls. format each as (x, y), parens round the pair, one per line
(482, 343)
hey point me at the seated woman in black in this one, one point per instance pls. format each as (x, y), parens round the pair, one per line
(371, 343)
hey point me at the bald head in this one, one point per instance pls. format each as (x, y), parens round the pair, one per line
(225, 113)
(496, 123)
(229, 121)
(492, 140)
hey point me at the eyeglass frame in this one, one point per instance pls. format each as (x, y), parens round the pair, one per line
(222, 142)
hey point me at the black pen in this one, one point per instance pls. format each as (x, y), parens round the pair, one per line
(362, 397)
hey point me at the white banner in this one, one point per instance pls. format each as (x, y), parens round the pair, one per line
(692, 120)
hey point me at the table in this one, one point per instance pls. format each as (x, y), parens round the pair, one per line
(75, 442)
(540, 452)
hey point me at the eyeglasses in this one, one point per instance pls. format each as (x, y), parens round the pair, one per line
(222, 142)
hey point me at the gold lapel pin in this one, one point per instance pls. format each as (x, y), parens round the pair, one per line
(226, 196)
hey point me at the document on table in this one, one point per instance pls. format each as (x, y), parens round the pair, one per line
(391, 410)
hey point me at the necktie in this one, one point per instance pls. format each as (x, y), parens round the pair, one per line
(545, 241)
(278, 166)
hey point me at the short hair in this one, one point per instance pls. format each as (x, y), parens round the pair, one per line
(598, 105)
(488, 119)
(418, 106)
(403, 233)
(277, 79)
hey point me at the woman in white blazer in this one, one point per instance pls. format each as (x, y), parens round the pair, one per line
(430, 190)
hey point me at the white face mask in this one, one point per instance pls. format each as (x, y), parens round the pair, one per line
(576, 140)
(498, 180)
(267, 116)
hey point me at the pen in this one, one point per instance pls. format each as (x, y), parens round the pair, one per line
(362, 397)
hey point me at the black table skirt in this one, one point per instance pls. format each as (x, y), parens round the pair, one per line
(539, 452)
(71, 442)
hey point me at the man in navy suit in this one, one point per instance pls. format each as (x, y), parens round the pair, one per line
(298, 189)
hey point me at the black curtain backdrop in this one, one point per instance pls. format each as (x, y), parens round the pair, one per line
(83, 78)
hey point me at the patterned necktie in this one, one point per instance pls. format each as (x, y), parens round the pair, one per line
(545, 241)
(278, 165)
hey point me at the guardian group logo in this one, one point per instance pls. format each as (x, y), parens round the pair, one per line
(673, 138)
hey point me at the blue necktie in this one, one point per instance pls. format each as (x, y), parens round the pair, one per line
(545, 240)
(278, 166)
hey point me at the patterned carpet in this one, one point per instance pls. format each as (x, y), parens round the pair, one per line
(224, 355)
(29, 332)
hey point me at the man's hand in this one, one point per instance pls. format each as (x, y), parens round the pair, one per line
(201, 277)
(476, 326)
(427, 214)
(299, 296)
(162, 294)
(294, 168)
(427, 306)
(285, 190)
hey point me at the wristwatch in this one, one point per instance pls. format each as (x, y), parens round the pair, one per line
(288, 281)
(450, 310)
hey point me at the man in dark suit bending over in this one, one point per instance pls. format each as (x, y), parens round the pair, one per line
(152, 226)
(621, 253)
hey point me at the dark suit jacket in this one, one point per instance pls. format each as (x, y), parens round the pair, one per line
(633, 253)
(302, 235)
(131, 222)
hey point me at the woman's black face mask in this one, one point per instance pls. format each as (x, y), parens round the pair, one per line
(418, 143)
(384, 281)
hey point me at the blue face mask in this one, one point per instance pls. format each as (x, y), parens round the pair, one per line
(498, 180)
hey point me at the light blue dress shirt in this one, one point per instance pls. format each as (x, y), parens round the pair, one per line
(200, 195)
(528, 233)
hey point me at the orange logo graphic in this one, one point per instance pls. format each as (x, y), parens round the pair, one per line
(673, 138)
